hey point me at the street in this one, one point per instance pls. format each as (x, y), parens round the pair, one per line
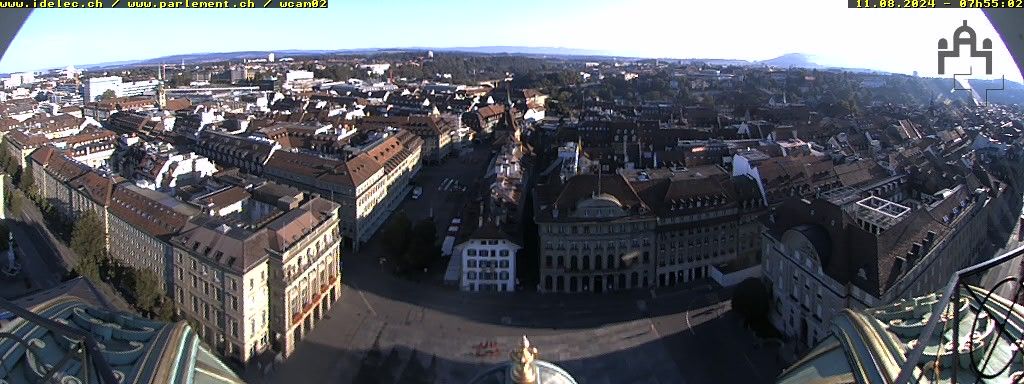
(45, 259)
(39, 253)
(386, 327)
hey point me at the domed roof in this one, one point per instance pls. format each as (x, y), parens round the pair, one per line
(600, 200)
(518, 370)
(547, 373)
(819, 239)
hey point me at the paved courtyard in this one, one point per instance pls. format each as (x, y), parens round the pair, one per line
(386, 329)
(391, 330)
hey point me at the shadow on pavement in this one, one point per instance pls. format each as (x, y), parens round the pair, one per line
(712, 353)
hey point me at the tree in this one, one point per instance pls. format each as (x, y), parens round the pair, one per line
(751, 300)
(27, 182)
(166, 310)
(396, 234)
(146, 289)
(108, 94)
(4, 243)
(87, 241)
(423, 248)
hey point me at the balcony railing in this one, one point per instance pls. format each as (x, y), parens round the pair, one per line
(296, 317)
(972, 301)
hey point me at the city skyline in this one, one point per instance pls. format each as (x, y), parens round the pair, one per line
(831, 33)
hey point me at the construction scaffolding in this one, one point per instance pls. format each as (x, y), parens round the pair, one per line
(879, 213)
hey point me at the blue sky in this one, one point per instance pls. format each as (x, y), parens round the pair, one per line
(898, 40)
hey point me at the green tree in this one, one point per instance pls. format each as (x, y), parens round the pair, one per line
(165, 312)
(27, 182)
(396, 234)
(146, 289)
(108, 94)
(423, 248)
(87, 241)
(4, 234)
(751, 300)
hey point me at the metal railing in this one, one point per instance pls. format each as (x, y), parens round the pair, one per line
(959, 287)
(83, 347)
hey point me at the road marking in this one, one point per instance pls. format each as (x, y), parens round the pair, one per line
(688, 326)
(752, 367)
(367, 302)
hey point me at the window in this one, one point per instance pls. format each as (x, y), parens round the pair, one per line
(471, 275)
(471, 263)
(503, 252)
(504, 263)
(471, 252)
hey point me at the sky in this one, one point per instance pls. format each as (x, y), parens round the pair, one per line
(894, 40)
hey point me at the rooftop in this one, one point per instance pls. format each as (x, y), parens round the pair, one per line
(119, 346)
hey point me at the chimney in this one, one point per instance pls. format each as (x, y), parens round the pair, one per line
(929, 241)
(901, 264)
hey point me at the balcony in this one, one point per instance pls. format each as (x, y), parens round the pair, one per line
(297, 317)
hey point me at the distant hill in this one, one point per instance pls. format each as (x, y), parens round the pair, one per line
(552, 51)
(1013, 92)
(789, 60)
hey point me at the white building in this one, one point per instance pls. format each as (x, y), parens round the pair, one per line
(138, 88)
(376, 69)
(96, 86)
(23, 78)
(488, 261)
(270, 57)
(292, 76)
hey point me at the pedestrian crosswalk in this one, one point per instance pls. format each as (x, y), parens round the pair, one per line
(451, 185)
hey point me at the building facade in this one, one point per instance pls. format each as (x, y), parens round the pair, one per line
(489, 261)
(368, 185)
(825, 255)
(221, 285)
(305, 270)
(595, 236)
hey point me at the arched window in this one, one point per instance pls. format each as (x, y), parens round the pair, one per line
(547, 283)
(573, 263)
(586, 262)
